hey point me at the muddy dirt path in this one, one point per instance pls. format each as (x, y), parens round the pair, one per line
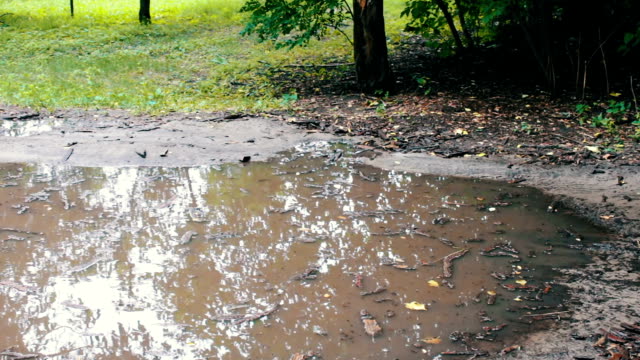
(117, 138)
(605, 293)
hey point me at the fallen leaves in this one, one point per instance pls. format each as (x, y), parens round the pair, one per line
(433, 283)
(414, 305)
(371, 326)
(432, 340)
(593, 149)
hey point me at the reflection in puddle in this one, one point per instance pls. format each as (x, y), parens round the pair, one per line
(28, 128)
(269, 260)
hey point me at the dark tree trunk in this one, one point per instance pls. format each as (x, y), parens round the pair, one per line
(370, 47)
(462, 14)
(145, 12)
(537, 32)
(71, 7)
(452, 26)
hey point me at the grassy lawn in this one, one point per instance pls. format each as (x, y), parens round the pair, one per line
(191, 58)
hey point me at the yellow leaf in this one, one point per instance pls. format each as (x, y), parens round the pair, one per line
(491, 292)
(342, 217)
(593, 149)
(460, 131)
(432, 340)
(521, 282)
(481, 155)
(433, 283)
(606, 217)
(518, 298)
(615, 94)
(415, 306)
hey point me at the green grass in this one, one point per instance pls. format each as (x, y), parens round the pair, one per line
(191, 58)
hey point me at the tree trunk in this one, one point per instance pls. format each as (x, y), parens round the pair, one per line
(71, 7)
(145, 12)
(462, 11)
(370, 47)
(452, 26)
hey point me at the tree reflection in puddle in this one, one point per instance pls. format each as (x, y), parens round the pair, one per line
(265, 260)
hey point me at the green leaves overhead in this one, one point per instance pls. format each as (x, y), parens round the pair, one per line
(291, 23)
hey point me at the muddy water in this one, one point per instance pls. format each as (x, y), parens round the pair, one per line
(164, 263)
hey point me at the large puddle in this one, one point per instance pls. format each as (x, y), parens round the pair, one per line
(270, 260)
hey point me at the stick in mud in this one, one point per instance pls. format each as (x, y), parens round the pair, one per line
(18, 356)
(21, 231)
(240, 318)
(447, 262)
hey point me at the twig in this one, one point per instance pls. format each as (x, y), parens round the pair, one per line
(447, 262)
(635, 100)
(68, 155)
(346, 4)
(551, 313)
(604, 61)
(344, 34)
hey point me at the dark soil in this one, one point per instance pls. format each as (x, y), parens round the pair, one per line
(464, 106)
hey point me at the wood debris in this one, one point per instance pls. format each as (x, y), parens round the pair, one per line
(371, 326)
(241, 318)
(447, 262)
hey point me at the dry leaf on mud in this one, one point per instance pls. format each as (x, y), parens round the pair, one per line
(414, 305)
(433, 283)
(521, 282)
(432, 340)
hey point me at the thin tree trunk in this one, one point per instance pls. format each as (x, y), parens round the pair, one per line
(370, 46)
(71, 7)
(145, 12)
(452, 26)
(463, 23)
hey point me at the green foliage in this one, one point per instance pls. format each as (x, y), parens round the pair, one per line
(630, 40)
(426, 19)
(293, 23)
(526, 128)
(636, 123)
(607, 115)
(423, 84)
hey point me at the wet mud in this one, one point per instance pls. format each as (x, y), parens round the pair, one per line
(312, 253)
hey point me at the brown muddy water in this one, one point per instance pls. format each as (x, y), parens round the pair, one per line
(267, 260)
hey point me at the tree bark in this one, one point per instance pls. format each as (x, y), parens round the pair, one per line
(452, 26)
(462, 12)
(370, 47)
(145, 12)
